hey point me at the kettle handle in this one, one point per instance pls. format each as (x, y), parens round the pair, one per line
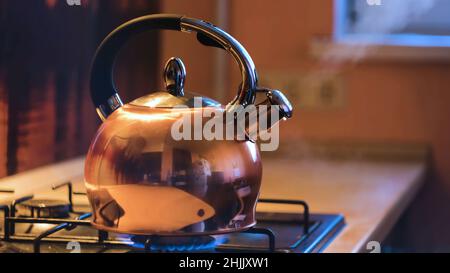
(103, 91)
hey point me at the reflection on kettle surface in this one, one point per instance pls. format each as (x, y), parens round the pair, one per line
(171, 210)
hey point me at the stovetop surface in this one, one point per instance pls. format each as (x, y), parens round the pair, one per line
(28, 232)
(288, 229)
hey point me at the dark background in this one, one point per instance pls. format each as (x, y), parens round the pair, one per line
(46, 47)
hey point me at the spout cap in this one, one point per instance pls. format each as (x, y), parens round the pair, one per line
(277, 98)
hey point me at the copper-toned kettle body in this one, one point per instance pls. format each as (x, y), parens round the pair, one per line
(139, 178)
(141, 181)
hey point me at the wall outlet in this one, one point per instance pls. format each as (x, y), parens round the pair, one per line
(308, 90)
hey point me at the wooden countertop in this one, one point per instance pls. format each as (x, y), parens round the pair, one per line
(370, 195)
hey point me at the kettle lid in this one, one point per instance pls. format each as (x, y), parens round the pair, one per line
(174, 96)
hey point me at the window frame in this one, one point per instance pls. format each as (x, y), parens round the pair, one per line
(340, 34)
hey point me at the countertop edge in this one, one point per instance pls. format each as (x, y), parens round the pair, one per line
(385, 226)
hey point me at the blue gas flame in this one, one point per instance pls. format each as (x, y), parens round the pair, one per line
(181, 244)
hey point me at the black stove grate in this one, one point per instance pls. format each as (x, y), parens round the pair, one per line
(269, 243)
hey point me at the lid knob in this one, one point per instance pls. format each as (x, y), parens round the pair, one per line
(174, 76)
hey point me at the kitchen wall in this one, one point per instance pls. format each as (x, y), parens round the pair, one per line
(385, 101)
(46, 47)
(3, 128)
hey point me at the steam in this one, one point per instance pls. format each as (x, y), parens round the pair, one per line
(375, 20)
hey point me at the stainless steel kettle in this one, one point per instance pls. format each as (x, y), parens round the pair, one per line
(139, 179)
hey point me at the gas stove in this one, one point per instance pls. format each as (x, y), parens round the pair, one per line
(32, 225)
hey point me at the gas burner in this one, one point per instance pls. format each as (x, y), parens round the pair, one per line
(176, 244)
(46, 208)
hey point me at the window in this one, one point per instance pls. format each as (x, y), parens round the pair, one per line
(394, 22)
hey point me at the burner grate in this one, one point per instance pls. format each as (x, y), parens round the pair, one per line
(151, 243)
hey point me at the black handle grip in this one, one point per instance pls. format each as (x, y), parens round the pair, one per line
(102, 84)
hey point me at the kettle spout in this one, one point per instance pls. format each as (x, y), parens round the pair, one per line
(259, 119)
(271, 111)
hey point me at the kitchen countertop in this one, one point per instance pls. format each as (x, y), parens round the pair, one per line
(371, 195)
(36, 180)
